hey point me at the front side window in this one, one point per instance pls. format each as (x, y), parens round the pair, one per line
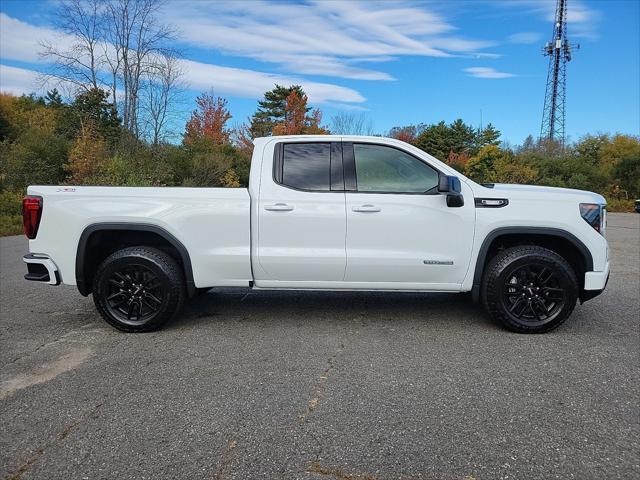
(388, 170)
(307, 166)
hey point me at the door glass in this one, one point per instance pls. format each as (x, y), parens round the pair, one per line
(307, 166)
(389, 170)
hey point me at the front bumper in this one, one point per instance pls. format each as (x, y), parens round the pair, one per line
(40, 268)
(594, 283)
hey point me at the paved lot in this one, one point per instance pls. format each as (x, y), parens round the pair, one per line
(320, 386)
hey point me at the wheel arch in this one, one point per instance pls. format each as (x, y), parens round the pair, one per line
(99, 240)
(562, 242)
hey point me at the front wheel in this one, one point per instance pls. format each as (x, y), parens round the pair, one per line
(529, 289)
(138, 289)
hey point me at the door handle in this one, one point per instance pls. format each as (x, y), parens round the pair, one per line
(368, 208)
(279, 207)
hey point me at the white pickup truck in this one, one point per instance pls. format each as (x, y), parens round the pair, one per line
(323, 213)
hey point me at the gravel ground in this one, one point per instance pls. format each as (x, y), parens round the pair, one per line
(320, 386)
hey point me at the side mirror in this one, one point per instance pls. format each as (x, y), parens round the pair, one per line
(451, 186)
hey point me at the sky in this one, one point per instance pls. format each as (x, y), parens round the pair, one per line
(394, 62)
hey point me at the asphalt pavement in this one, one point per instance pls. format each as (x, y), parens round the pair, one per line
(289, 385)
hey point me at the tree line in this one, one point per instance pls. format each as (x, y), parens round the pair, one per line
(84, 140)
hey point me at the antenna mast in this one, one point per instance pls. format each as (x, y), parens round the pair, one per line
(559, 53)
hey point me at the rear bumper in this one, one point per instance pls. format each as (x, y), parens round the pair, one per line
(594, 283)
(40, 268)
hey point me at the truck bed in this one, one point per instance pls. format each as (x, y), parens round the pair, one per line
(213, 224)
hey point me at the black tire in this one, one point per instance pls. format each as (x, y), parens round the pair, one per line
(529, 289)
(138, 289)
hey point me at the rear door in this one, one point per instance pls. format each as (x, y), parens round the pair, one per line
(400, 232)
(301, 215)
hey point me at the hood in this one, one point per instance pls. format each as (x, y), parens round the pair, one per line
(534, 191)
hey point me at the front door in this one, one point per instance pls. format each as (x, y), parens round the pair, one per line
(400, 232)
(301, 216)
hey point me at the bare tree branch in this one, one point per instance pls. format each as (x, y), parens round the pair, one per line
(81, 61)
(163, 87)
(351, 123)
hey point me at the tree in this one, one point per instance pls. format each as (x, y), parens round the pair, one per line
(272, 109)
(351, 123)
(489, 135)
(627, 174)
(295, 113)
(208, 121)
(53, 99)
(508, 169)
(481, 167)
(529, 145)
(462, 138)
(81, 62)
(88, 155)
(212, 167)
(458, 161)
(32, 152)
(589, 147)
(137, 41)
(408, 133)
(618, 148)
(117, 44)
(441, 140)
(93, 107)
(241, 135)
(435, 140)
(163, 89)
(296, 121)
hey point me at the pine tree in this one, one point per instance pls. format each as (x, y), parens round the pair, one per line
(272, 110)
(489, 135)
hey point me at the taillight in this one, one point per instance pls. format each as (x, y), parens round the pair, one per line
(31, 213)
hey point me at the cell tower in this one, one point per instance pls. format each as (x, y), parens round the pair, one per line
(559, 52)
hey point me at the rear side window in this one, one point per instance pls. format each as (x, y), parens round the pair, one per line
(307, 166)
(388, 170)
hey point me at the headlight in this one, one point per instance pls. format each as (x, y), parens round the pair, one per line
(595, 215)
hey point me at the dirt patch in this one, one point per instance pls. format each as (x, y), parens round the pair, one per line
(338, 473)
(45, 372)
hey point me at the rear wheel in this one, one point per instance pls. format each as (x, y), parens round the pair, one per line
(529, 289)
(138, 289)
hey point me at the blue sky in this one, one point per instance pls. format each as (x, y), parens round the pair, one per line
(397, 62)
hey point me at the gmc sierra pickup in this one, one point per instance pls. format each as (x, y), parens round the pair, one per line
(323, 213)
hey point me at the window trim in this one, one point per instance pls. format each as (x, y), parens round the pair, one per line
(334, 147)
(353, 173)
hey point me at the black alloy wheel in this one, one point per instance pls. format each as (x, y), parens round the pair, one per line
(138, 289)
(135, 294)
(533, 294)
(529, 289)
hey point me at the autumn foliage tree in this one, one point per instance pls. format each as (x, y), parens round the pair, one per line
(209, 121)
(272, 110)
(297, 120)
(87, 156)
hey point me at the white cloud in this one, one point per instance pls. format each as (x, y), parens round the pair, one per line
(487, 72)
(525, 37)
(21, 42)
(320, 37)
(17, 80)
(250, 83)
(581, 19)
